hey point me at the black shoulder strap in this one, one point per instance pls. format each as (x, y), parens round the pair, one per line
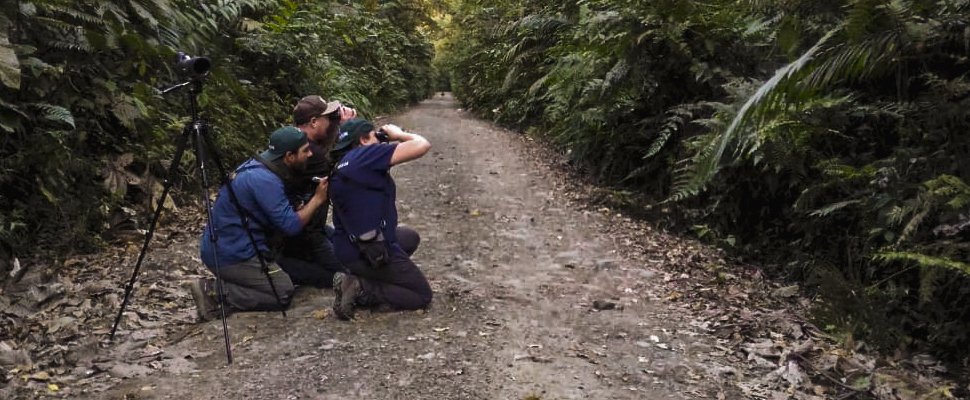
(283, 175)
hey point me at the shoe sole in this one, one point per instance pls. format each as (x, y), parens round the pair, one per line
(342, 309)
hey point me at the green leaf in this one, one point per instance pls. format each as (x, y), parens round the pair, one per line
(56, 114)
(9, 65)
(924, 261)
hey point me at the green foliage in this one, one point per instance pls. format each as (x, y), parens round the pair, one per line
(594, 74)
(826, 134)
(81, 85)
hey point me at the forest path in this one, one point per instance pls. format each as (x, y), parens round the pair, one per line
(534, 298)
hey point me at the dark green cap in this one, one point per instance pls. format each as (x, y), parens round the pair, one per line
(351, 131)
(287, 138)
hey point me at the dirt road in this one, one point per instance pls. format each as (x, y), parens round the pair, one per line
(541, 292)
(534, 298)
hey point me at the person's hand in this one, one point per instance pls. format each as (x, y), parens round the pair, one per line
(319, 198)
(394, 132)
(322, 186)
(347, 113)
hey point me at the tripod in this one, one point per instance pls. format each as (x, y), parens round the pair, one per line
(197, 130)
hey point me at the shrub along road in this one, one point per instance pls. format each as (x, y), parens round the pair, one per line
(539, 294)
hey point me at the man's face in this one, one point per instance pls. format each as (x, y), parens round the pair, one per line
(319, 126)
(297, 161)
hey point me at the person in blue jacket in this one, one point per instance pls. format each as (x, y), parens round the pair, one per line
(259, 186)
(363, 195)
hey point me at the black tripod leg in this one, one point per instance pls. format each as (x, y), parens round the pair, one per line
(245, 224)
(220, 292)
(180, 149)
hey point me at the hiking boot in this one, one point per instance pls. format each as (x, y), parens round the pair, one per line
(206, 306)
(346, 288)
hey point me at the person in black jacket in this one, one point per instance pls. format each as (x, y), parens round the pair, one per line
(308, 257)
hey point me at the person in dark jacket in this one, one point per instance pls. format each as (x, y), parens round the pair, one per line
(308, 257)
(363, 194)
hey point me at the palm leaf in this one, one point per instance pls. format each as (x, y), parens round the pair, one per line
(765, 99)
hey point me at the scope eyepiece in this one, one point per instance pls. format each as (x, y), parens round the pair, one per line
(192, 66)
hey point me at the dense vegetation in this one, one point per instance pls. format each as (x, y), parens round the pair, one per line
(87, 133)
(828, 137)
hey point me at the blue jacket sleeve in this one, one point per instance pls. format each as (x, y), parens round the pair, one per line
(270, 198)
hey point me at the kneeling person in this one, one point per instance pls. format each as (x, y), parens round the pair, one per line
(265, 211)
(363, 196)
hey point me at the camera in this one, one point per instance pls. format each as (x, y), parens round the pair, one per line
(195, 67)
(381, 136)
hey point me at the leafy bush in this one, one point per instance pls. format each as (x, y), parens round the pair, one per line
(823, 137)
(89, 133)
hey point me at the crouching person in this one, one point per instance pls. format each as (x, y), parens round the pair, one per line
(264, 209)
(363, 197)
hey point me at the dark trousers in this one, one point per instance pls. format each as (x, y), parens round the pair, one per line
(400, 284)
(248, 289)
(309, 258)
(408, 239)
(316, 264)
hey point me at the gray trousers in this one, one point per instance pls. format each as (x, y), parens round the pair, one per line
(247, 288)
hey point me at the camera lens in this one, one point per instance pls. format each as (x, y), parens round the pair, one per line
(194, 66)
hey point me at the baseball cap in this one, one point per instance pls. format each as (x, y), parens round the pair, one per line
(351, 131)
(312, 106)
(287, 138)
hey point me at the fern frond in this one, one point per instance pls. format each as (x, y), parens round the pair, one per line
(923, 261)
(859, 18)
(896, 215)
(765, 99)
(54, 113)
(540, 24)
(678, 116)
(71, 46)
(145, 14)
(55, 24)
(855, 61)
(914, 223)
(957, 191)
(75, 15)
(831, 208)
(519, 61)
